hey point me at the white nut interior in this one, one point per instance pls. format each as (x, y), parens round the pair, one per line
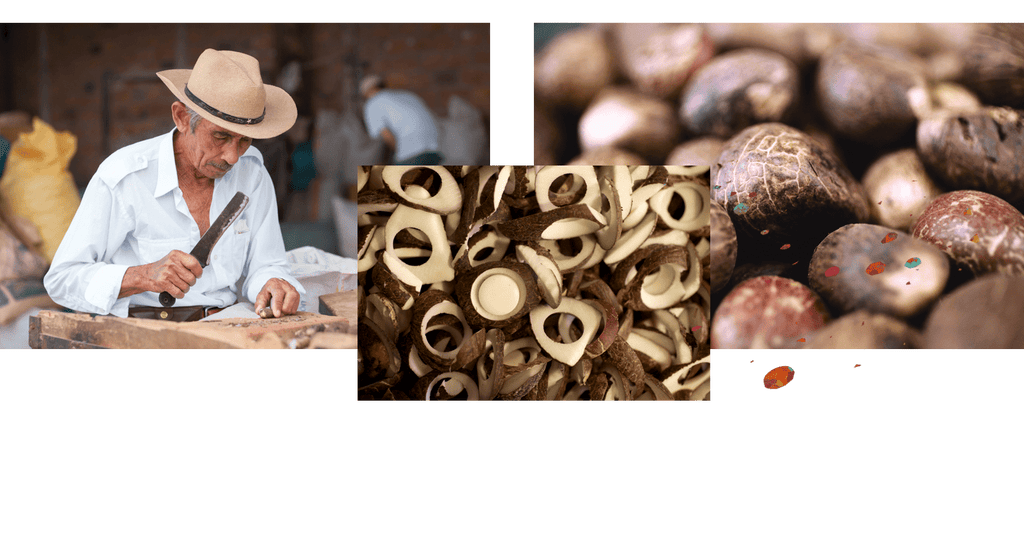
(498, 293)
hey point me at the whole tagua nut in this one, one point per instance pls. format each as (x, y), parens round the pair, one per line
(702, 151)
(994, 64)
(980, 232)
(628, 119)
(977, 151)
(899, 181)
(863, 91)
(865, 330)
(985, 313)
(767, 312)
(573, 68)
(772, 176)
(800, 42)
(658, 58)
(873, 273)
(723, 247)
(738, 89)
(547, 138)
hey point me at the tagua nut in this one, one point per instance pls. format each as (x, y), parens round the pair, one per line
(573, 68)
(899, 188)
(881, 286)
(864, 91)
(701, 151)
(865, 330)
(980, 232)
(628, 119)
(994, 64)
(985, 313)
(658, 58)
(767, 312)
(723, 247)
(738, 89)
(772, 176)
(982, 151)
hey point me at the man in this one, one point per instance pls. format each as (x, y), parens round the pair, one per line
(402, 120)
(149, 203)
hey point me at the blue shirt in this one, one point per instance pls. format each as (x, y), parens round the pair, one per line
(407, 117)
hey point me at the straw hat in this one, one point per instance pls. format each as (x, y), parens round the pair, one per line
(225, 88)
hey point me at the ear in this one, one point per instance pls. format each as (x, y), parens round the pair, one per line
(181, 118)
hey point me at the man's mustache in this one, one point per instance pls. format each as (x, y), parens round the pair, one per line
(220, 166)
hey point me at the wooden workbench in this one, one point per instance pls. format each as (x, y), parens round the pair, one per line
(52, 329)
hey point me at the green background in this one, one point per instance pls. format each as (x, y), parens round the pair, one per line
(271, 444)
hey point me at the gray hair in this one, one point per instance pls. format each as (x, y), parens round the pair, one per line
(193, 118)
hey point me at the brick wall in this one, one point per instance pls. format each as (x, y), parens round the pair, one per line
(97, 80)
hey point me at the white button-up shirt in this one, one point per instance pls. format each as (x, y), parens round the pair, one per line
(407, 117)
(133, 213)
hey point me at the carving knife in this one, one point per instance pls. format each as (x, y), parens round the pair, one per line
(205, 245)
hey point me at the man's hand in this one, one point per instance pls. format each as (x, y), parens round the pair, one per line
(282, 297)
(175, 273)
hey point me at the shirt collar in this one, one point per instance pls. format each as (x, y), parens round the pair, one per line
(167, 173)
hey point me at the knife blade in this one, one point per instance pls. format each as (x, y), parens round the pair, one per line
(205, 245)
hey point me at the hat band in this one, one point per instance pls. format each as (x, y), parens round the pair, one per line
(223, 115)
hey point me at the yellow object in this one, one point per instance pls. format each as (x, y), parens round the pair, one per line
(36, 183)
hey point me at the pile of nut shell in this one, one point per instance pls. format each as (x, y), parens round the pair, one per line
(534, 283)
(867, 179)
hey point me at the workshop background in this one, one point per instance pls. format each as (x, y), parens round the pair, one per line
(71, 94)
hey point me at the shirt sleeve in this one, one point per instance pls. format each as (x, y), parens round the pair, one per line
(78, 278)
(266, 257)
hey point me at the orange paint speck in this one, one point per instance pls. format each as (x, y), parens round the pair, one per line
(778, 377)
(875, 268)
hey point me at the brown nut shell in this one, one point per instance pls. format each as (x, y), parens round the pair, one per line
(980, 232)
(738, 89)
(767, 312)
(977, 151)
(723, 247)
(868, 267)
(899, 189)
(863, 91)
(865, 330)
(630, 120)
(772, 176)
(985, 313)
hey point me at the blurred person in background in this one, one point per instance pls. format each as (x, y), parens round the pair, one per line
(402, 120)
